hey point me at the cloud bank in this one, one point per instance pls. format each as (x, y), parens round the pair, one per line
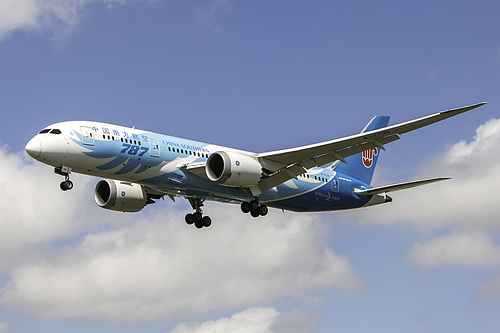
(467, 205)
(59, 17)
(67, 258)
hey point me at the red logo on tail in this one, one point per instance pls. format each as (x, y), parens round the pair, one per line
(368, 157)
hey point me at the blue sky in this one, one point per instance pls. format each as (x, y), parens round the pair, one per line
(258, 76)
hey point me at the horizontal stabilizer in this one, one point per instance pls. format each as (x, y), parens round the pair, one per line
(397, 187)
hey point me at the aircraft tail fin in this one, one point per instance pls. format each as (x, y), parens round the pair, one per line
(361, 166)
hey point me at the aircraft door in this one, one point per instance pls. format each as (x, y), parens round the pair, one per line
(154, 147)
(335, 184)
(87, 136)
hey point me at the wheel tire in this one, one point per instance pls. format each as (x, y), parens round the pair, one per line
(254, 204)
(189, 218)
(63, 186)
(198, 224)
(254, 213)
(263, 210)
(245, 207)
(197, 217)
(207, 221)
(69, 184)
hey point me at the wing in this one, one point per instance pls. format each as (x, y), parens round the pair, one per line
(289, 163)
(397, 187)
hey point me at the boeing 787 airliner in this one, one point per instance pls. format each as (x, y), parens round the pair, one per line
(139, 167)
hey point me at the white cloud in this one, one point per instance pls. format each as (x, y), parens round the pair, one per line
(252, 320)
(255, 320)
(160, 267)
(468, 201)
(153, 265)
(58, 16)
(33, 208)
(474, 249)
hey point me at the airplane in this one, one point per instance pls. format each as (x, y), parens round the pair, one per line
(139, 167)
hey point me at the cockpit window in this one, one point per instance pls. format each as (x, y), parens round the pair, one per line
(47, 130)
(55, 131)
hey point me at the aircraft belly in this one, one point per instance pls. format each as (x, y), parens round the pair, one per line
(319, 198)
(180, 183)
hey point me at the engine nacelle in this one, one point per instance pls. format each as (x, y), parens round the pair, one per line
(233, 169)
(120, 196)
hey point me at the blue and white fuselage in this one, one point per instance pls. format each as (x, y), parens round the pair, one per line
(140, 166)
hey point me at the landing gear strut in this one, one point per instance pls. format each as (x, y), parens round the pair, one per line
(64, 171)
(197, 218)
(254, 208)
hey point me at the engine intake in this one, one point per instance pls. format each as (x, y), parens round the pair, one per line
(120, 196)
(233, 169)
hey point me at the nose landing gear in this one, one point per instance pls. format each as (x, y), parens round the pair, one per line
(65, 171)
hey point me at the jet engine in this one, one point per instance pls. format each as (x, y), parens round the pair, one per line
(233, 169)
(120, 196)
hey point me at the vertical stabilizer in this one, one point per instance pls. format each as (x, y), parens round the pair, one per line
(361, 166)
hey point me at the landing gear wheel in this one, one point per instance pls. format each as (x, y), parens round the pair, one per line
(189, 218)
(245, 207)
(263, 210)
(254, 213)
(197, 217)
(254, 204)
(66, 185)
(198, 224)
(207, 221)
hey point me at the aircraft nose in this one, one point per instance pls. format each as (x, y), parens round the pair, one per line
(34, 147)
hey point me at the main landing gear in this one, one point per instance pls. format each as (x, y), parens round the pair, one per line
(197, 217)
(254, 208)
(64, 171)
